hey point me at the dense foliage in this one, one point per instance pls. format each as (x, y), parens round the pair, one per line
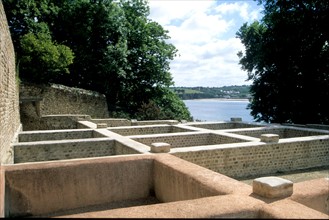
(106, 46)
(287, 58)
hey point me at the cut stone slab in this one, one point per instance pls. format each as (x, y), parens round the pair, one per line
(160, 147)
(269, 138)
(272, 187)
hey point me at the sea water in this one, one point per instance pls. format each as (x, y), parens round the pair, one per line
(218, 109)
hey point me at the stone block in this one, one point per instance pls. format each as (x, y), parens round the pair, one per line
(269, 138)
(160, 147)
(272, 187)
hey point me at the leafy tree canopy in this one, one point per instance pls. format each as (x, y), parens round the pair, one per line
(287, 58)
(117, 51)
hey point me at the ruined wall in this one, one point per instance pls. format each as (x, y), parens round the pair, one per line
(9, 106)
(37, 101)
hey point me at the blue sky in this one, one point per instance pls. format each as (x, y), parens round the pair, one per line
(203, 31)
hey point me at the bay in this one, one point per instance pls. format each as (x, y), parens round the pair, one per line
(219, 109)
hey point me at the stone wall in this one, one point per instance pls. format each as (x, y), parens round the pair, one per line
(63, 150)
(187, 139)
(37, 101)
(258, 158)
(9, 106)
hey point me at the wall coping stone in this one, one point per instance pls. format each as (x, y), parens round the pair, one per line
(272, 187)
(269, 138)
(160, 147)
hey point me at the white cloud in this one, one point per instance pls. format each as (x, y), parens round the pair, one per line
(204, 34)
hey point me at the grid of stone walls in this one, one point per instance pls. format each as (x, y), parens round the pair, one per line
(61, 150)
(282, 132)
(9, 105)
(188, 140)
(148, 130)
(262, 159)
(224, 125)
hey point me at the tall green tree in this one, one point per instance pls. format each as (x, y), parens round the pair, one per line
(286, 57)
(40, 58)
(95, 31)
(118, 51)
(147, 72)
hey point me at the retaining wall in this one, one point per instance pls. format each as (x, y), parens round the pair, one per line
(38, 101)
(9, 106)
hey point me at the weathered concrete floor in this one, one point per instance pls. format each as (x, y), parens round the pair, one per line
(109, 206)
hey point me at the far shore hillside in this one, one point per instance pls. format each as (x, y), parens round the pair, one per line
(221, 93)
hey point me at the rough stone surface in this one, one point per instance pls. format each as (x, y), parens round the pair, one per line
(9, 106)
(272, 187)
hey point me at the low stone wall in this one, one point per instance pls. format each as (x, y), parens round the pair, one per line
(46, 188)
(30, 136)
(147, 129)
(187, 139)
(61, 150)
(112, 122)
(224, 125)
(53, 187)
(283, 132)
(154, 122)
(107, 187)
(308, 194)
(257, 158)
(52, 122)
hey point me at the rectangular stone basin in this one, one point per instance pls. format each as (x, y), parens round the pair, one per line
(147, 129)
(187, 139)
(68, 149)
(77, 186)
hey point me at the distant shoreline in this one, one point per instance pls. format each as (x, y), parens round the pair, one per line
(219, 99)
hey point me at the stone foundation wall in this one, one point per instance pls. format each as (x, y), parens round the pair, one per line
(282, 132)
(147, 129)
(187, 139)
(252, 159)
(9, 106)
(62, 150)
